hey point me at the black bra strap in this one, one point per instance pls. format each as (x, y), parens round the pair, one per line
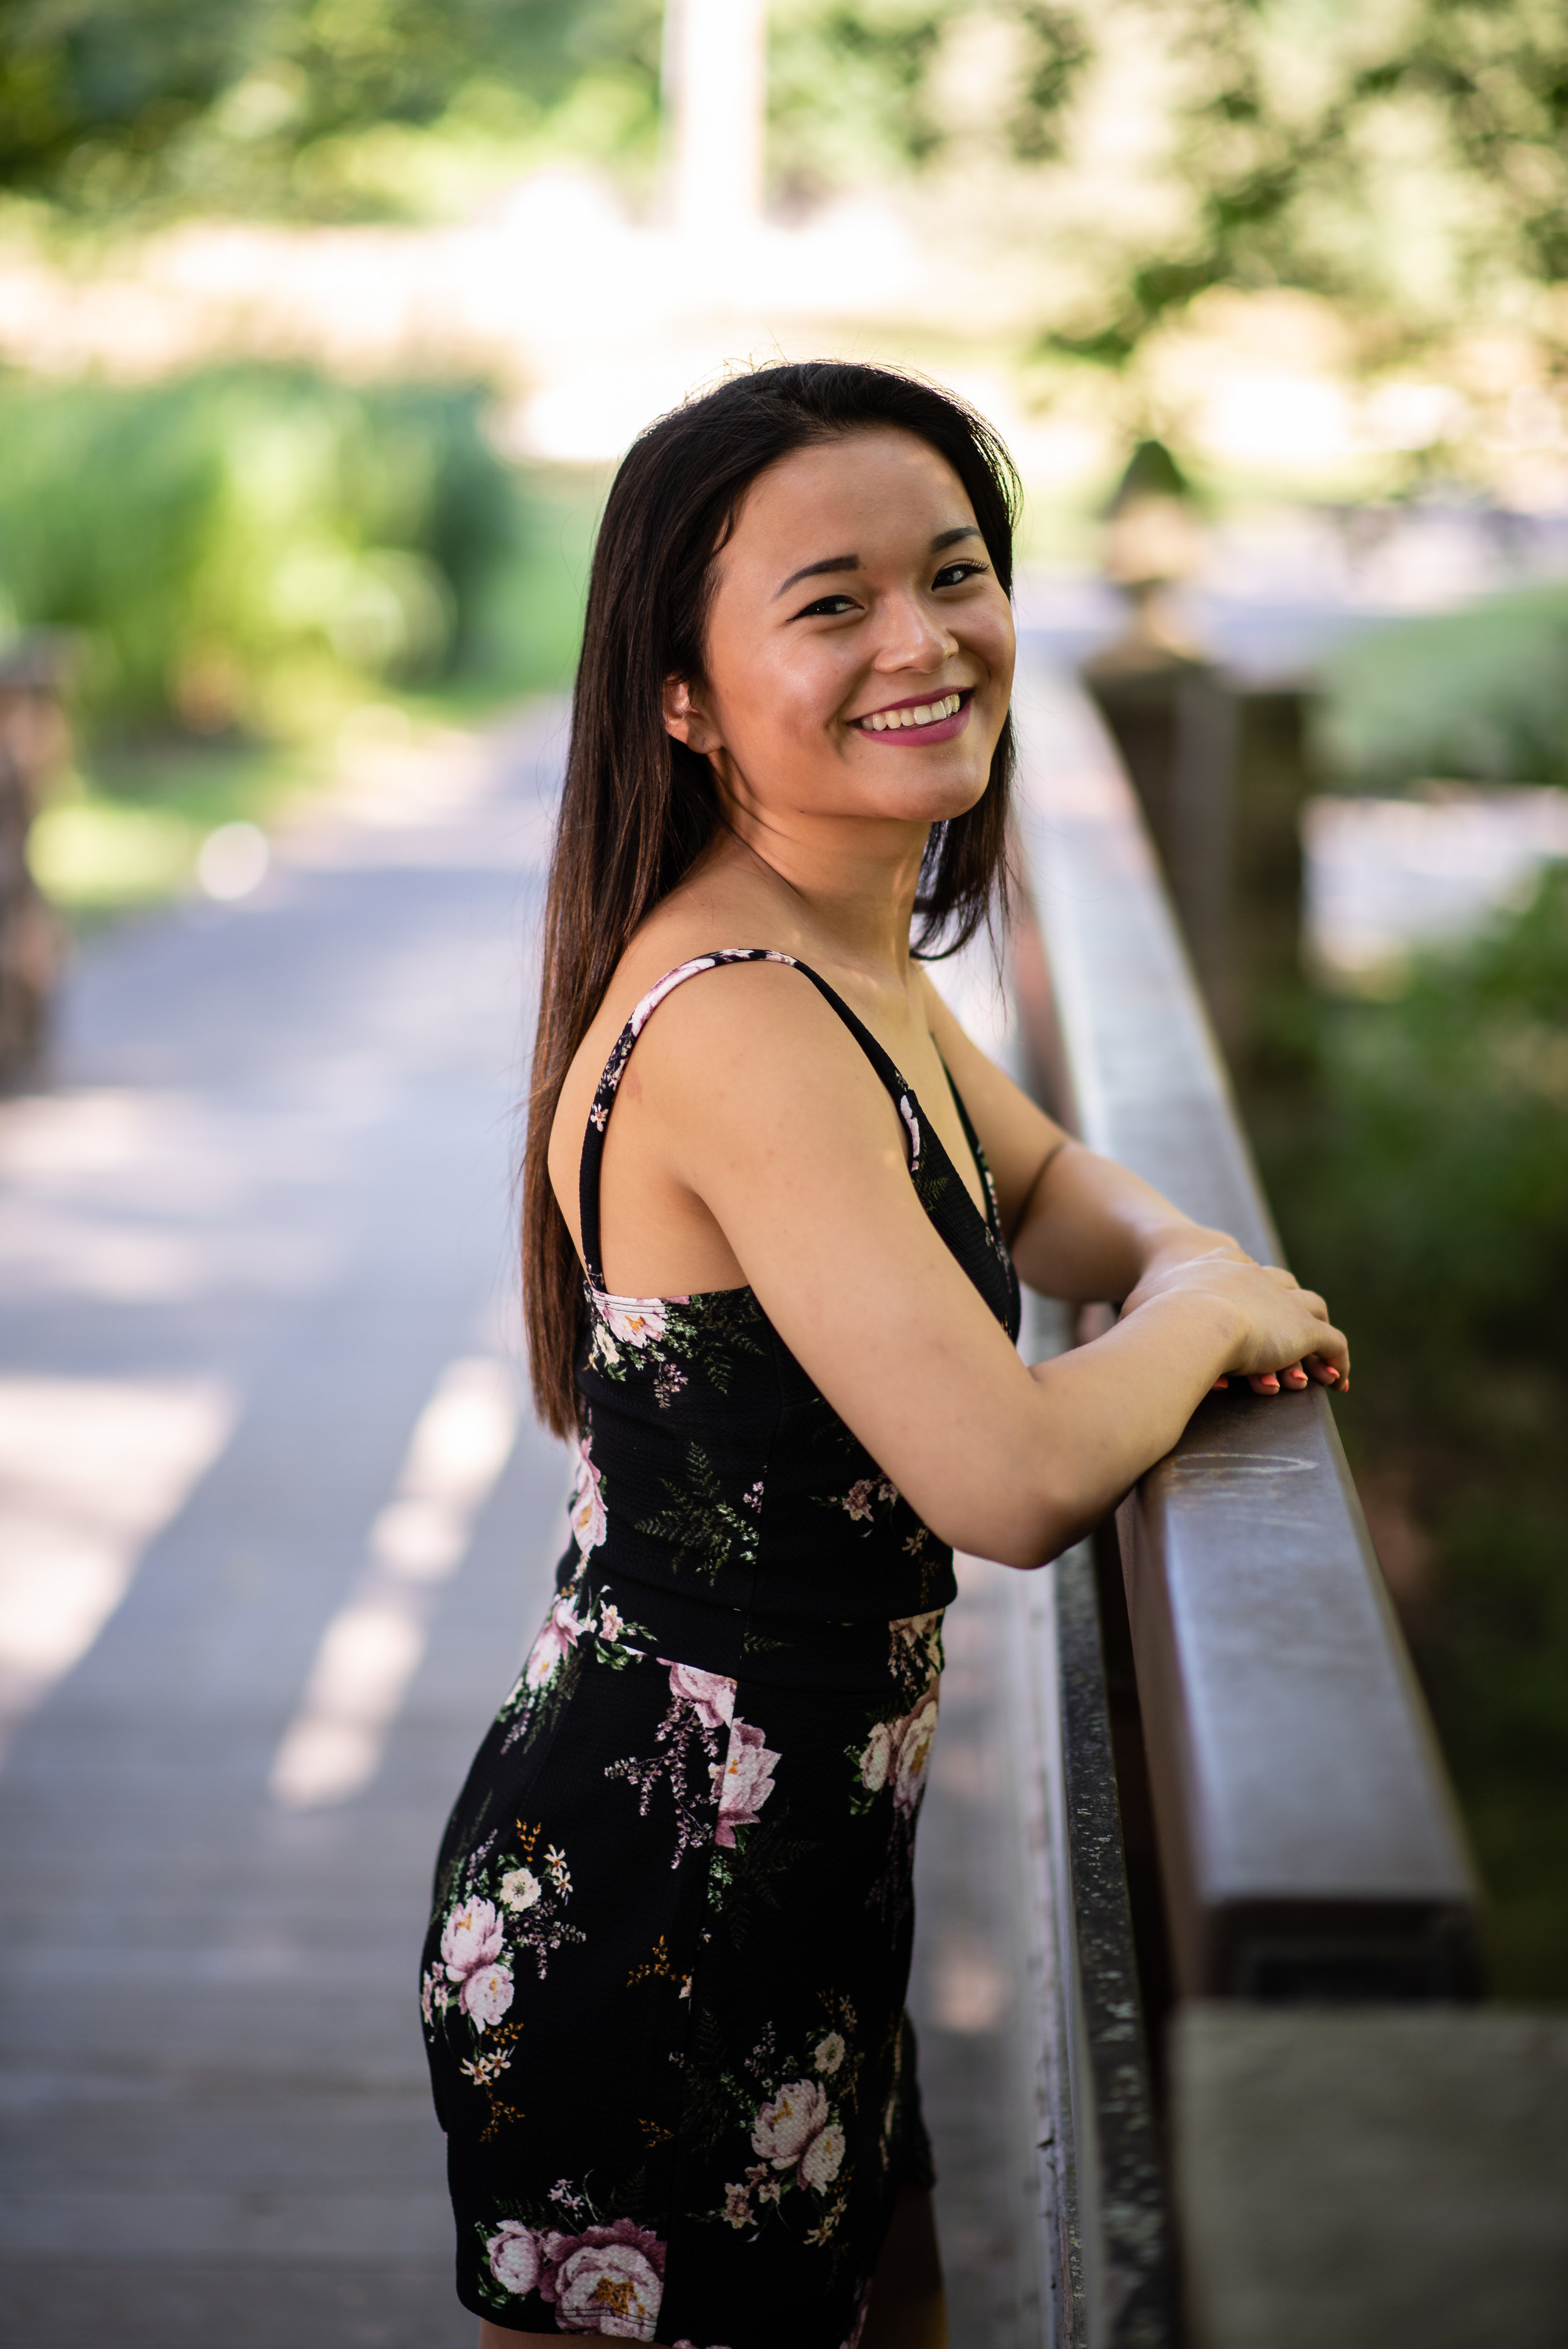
(615, 1068)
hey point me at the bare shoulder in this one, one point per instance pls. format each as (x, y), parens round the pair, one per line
(751, 1030)
(731, 1044)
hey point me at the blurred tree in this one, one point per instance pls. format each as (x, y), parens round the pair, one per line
(858, 87)
(105, 103)
(267, 104)
(1409, 160)
(234, 545)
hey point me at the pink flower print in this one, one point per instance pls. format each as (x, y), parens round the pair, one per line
(744, 1781)
(514, 2259)
(637, 1321)
(470, 1938)
(861, 1498)
(820, 2162)
(650, 1002)
(876, 1758)
(913, 1123)
(829, 2052)
(914, 1734)
(589, 1522)
(607, 2279)
(485, 1995)
(712, 1694)
(612, 1623)
(737, 2207)
(786, 2127)
(561, 1634)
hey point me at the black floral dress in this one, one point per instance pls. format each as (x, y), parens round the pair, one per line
(664, 1985)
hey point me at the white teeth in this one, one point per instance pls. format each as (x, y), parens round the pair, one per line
(923, 714)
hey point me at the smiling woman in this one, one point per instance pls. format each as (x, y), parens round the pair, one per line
(770, 1238)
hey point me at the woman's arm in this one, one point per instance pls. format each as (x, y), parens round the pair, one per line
(759, 1102)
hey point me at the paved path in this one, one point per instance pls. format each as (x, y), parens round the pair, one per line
(274, 1530)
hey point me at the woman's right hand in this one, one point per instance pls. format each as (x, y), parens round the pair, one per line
(1283, 1332)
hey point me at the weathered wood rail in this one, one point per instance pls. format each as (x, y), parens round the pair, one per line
(1217, 1688)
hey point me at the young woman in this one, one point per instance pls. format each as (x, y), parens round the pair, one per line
(774, 1202)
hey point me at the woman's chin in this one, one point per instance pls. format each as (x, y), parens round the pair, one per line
(904, 790)
(923, 799)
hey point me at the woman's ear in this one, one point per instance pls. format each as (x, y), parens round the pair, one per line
(685, 719)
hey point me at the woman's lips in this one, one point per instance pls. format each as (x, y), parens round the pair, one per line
(906, 725)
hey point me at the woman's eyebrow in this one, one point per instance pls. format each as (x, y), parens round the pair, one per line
(811, 570)
(944, 538)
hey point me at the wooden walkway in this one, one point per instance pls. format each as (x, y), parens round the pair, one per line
(274, 1534)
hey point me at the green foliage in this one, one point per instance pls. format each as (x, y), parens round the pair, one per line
(1447, 1128)
(848, 91)
(1057, 50)
(341, 108)
(1479, 694)
(231, 544)
(856, 88)
(106, 103)
(1408, 161)
(1423, 1184)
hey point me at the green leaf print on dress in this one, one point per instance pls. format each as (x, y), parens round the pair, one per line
(705, 1529)
(667, 1338)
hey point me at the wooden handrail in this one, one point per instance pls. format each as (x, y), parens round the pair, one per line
(1308, 1843)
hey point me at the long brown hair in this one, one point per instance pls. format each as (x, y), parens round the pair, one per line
(638, 808)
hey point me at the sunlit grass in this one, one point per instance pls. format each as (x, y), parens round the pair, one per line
(128, 832)
(92, 855)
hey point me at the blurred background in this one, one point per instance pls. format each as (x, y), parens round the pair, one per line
(322, 327)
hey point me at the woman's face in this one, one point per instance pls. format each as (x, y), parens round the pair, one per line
(860, 648)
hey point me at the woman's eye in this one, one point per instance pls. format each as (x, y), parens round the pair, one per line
(953, 574)
(827, 607)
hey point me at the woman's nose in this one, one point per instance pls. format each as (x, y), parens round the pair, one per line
(913, 638)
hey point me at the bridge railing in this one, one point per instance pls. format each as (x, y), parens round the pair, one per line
(1231, 1788)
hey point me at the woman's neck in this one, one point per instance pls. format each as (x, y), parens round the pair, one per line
(843, 885)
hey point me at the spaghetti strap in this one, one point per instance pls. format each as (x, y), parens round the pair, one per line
(616, 1067)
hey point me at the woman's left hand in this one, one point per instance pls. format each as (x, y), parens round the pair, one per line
(1183, 1244)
